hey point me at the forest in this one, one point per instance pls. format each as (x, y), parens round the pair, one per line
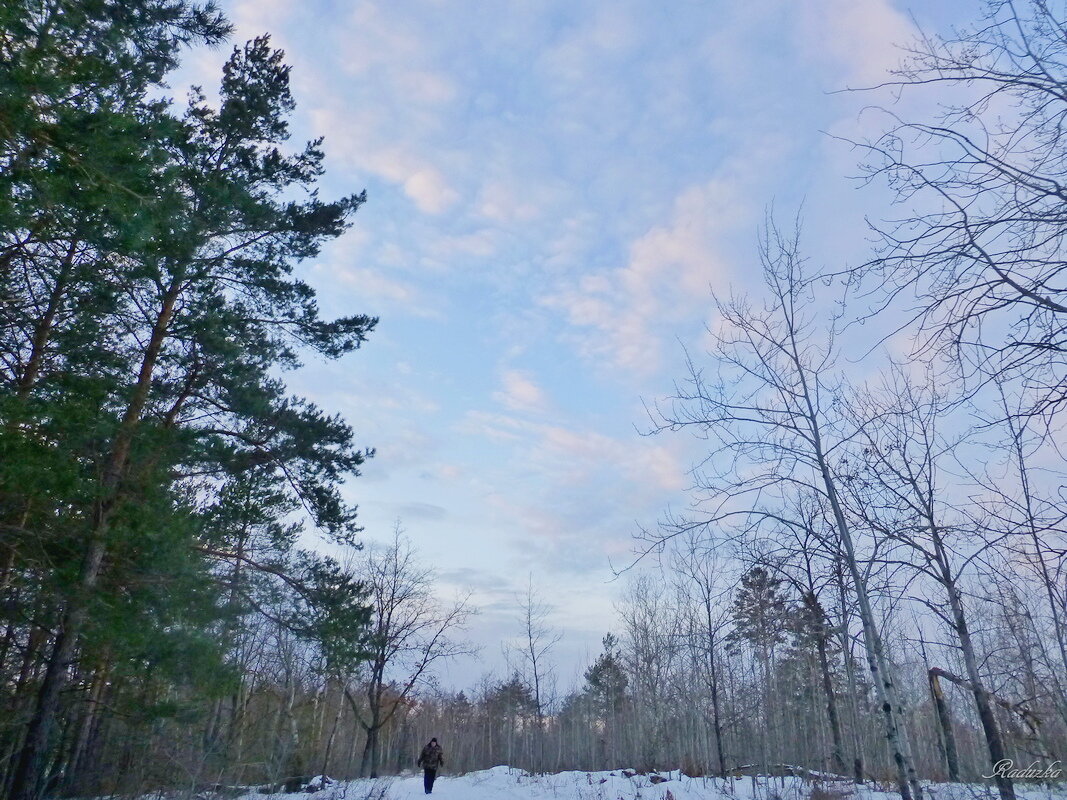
(870, 580)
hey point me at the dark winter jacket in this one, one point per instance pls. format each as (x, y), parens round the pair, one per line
(431, 757)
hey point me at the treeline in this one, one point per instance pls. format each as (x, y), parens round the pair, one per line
(737, 656)
(155, 473)
(753, 661)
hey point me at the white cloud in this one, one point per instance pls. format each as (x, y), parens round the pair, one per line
(500, 201)
(448, 472)
(861, 38)
(671, 268)
(371, 283)
(579, 169)
(570, 457)
(430, 191)
(521, 393)
(608, 33)
(348, 282)
(481, 243)
(253, 17)
(387, 114)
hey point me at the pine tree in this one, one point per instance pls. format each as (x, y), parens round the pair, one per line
(606, 693)
(606, 682)
(760, 612)
(132, 393)
(760, 618)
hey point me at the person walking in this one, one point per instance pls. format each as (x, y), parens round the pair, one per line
(431, 759)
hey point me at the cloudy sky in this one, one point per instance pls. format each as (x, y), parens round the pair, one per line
(554, 189)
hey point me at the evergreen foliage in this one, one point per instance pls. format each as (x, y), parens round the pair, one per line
(155, 473)
(760, 611)
(606, 682)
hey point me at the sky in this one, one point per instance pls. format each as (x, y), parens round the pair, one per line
(555, 189)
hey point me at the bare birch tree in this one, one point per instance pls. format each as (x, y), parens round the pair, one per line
(771, 413)
(908, 502)
(979, 257)
(1035, 523)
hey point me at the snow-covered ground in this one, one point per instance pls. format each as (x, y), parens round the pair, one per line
(504, 783)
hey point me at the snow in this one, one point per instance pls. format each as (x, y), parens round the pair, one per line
(506, 783)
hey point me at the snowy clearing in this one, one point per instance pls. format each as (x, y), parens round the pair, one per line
(505, 783)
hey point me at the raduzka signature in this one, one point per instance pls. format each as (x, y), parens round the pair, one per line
(1005, 768)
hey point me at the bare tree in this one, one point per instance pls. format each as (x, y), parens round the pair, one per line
(804, 554)
(1035, 521)
(704, 583)
(533, 652)
(981, 249)
(773, 417)
(905, 499)
(410, 632)
(650, 648)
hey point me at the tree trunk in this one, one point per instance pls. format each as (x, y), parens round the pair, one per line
(838, 752)
(332, 736)
(368, 765)
(948, 737)
(881, 676)
(850, 676)
(28, 772)
(88, 723)
(716, 719)
(994, 742)
(1048, 579)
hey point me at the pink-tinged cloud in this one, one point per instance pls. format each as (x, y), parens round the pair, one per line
(860, 40)
(521, 393)
(622, 314)
(570, 457)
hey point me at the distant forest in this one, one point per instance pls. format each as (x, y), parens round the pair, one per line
(870, 580)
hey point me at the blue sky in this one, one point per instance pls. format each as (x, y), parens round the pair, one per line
(554, 190)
